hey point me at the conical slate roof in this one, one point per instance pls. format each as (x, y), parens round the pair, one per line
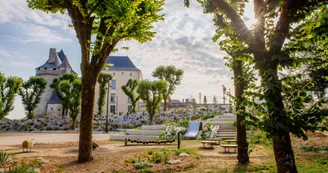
(53, 60)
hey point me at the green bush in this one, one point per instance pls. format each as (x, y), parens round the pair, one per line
(312, 148)
(156, 157)
(183, 150)
(147, 171)
(208, 116)
(23, 169)
(150, 152)
(323, 161)
(258, 137)
(4, 157)
(143, 165)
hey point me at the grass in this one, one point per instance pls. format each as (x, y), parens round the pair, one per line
(59, 169)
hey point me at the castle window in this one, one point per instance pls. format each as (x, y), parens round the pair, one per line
(54, 68)
(45, 68)
(114, 74)
(130, 74)
(38, 68)
(59, 110)
(51, 108)
(122, 73)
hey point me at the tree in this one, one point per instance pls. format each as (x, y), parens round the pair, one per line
(172, 75)
(205, 100)
(152, 93)
(265, 42)
(72, 91)
(55, 84)
(215, 101)
(103, 80)
(99, 26)
(9, 87)
(129, 90)
(31, 92)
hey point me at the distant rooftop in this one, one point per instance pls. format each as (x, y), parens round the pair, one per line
(57, 59)
(54, 99)
(121, 63)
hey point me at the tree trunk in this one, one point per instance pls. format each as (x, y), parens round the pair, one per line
(86, 123)
(30, 115)
(151, 119)
(282, 146)
(73, 123)
(165, 103)
(239, 84)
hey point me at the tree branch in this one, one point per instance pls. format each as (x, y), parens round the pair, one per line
(236, 21)
(93, 9)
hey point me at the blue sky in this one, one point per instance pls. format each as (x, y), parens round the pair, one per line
(183, 39)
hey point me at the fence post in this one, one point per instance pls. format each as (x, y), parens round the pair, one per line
(179, 142)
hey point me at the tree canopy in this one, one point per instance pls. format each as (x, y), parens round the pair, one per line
(130, 90)
(172, 75)
(9, 88)
(72, 91)
(152, 92)
(55, 85)
(31, 92)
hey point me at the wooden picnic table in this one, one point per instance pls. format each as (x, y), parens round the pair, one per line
(231, 140)
(208, 144)
(228, 146)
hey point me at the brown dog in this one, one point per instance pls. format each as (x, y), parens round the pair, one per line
(28, 144)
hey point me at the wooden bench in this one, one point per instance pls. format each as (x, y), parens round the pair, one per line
(228, 146)
(126, 140)
(208, 144)
(216, 140)
(230, 141)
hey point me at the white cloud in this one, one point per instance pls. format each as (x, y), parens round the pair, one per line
(42, 34)
(17, 10)
(16, 59)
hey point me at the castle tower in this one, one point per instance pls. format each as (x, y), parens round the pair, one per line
(56, 65)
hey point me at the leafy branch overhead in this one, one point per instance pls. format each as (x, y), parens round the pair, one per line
(110, 21)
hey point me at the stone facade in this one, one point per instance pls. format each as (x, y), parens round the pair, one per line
(122, 71)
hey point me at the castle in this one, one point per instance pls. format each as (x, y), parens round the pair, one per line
(56, 65)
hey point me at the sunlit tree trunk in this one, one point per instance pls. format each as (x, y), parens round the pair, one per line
(239, 84)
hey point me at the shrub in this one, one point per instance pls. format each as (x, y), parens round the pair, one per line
(166, 157)
(156, 157)
(147, 171)
(183, 150)
(143, 165)
(23, 169)
(258, 137)
(323, 161)
(4, 157)
(312, 148)
(150, 152)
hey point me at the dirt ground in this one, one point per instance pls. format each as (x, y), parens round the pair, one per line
(111, 155)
